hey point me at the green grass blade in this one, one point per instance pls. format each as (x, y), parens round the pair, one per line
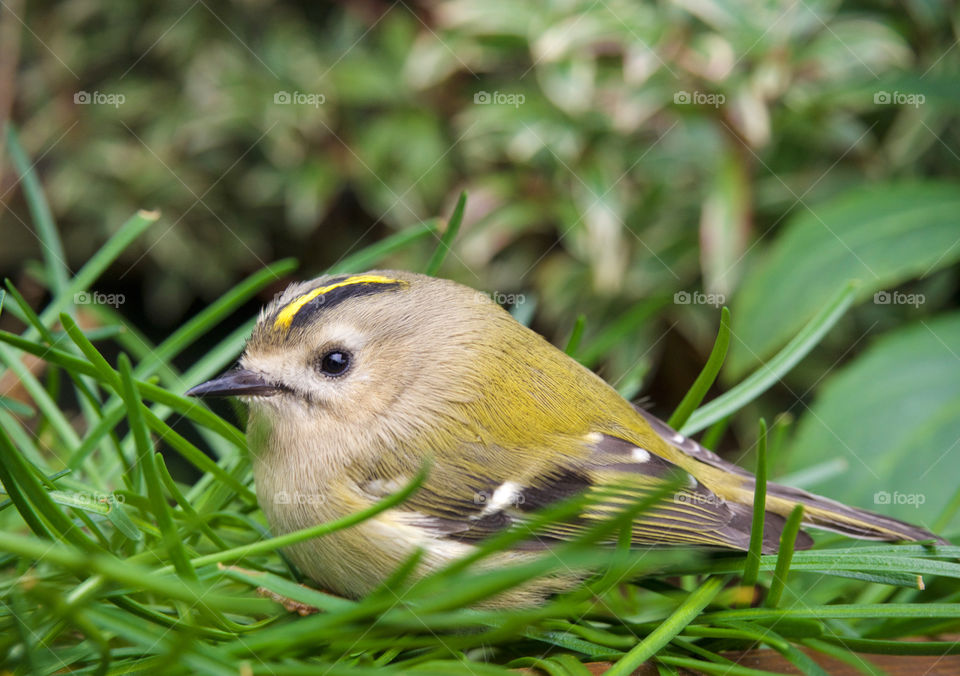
(21, 474)
(838, 611)
(38, 393)
(669, 628)
(449, 234)
(148, 469)
(27, 314)
(190, 513)
(17, 407)
(761, 380)
(788, 539)
(752, 566)
(12, 488)
(366, 258)
(212, 314)
(702, 384)
(105, 372)
(576, 335)
(701, 667)
(281, 586)
(55, 259)
(100, 261)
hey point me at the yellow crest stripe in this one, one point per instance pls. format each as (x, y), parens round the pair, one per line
(290, 310)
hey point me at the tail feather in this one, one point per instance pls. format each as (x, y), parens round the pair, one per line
(819, 512)
(827, 514)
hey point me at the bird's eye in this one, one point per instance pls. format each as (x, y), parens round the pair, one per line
(335, 362)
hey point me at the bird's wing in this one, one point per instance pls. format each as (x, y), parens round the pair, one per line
(460, 503)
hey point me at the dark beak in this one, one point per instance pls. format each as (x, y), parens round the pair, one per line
(234, 383)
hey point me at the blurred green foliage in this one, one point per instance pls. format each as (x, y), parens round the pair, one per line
(638, 163)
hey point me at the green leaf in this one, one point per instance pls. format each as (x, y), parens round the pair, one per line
(893, 416)
(849, 237)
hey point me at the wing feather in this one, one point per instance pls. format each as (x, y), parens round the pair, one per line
(614, 474)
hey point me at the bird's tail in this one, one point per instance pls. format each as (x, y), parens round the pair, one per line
(827, 514)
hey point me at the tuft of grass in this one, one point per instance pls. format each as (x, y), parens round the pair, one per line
(112, 561)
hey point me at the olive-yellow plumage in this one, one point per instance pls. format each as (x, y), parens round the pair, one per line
(353, 382)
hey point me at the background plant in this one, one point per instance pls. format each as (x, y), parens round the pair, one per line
(636, 165)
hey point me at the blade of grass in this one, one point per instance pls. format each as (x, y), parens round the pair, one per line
(838, 611)
(147, 462)
(576, 335)
(16, 496)
(883, 647)
(47, 406)
(132, 228)
(752, 566)
(281, 586)
(56, 260)
(17, 407)
(759, 381)
(668, 629)
(20, 474)
(212, 314)
(127, 573)
(854, 660)
(449, 234)
(788, 539)
(707, 376)
(701, 667)
(189, 512)
(364, 259)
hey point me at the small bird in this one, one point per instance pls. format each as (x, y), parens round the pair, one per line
(355, 381)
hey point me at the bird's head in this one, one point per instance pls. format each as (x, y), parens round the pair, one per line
(353, 349)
